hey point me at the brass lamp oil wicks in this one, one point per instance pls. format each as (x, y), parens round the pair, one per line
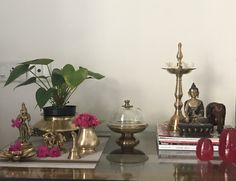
(179, 71)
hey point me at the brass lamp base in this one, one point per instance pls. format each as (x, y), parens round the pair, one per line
(174, 121)
(127, 141)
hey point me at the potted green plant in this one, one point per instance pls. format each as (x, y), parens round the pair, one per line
(56, 88)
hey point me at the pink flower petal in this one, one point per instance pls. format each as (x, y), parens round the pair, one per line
(42, 151)
(86, 120)
(54, 152)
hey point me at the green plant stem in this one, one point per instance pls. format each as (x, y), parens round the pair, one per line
(39, 79)
(70, 94)
(48, 82)
(50, 75)
(49, 71)
(38, 84)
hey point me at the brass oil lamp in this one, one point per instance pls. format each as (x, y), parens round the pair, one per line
(179, 71)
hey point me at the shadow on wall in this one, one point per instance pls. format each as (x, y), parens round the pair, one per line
(99, 98)
(207, 83)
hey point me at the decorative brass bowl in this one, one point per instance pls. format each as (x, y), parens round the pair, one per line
(56, 123)
(127, 139)
(17, 155)
(55, 129)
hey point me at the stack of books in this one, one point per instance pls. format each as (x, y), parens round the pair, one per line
(166, 141)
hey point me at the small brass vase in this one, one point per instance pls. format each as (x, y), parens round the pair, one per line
(87, 141)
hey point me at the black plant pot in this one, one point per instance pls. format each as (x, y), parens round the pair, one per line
(59, 111)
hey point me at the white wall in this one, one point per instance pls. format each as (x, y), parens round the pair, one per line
(128, 41)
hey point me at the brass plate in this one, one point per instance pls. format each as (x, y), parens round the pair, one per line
(16, 156)
(176, 70)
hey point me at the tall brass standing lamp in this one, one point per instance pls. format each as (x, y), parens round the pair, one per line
(179, 71)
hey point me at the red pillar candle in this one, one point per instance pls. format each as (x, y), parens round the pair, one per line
(204, 150)
(227, 145)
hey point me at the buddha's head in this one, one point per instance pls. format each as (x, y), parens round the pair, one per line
(193, 91)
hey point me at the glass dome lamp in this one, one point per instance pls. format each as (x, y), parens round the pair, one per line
(128, 115)
(127, 121)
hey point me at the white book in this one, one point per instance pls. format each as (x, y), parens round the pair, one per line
(185, 140)
(181, 147)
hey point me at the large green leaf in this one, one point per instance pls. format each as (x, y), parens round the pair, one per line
(43, 96)
(83, 72)
(27, 82)
(79, 76)
(40, 61)
(74, 77)
(57, 77)
(67, 70)
(95, 75)
(17, 72)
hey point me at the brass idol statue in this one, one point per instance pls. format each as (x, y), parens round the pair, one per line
(193, 108)
(25, 128)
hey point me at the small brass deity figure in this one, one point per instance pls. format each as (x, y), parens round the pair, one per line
(25, 128)
(54, 139)
(193, 108)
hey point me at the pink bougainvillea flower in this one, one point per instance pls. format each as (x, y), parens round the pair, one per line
(86, 120)
(16, 146)
(54, 152)
(42, 151)
(16, 123)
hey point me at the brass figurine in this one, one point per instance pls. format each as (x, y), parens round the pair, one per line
(54, 139)
(196, 125)
(54, 127)
(26, 149)
(74, 153)
(179, 71)
(25, 128)
(193, 108)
